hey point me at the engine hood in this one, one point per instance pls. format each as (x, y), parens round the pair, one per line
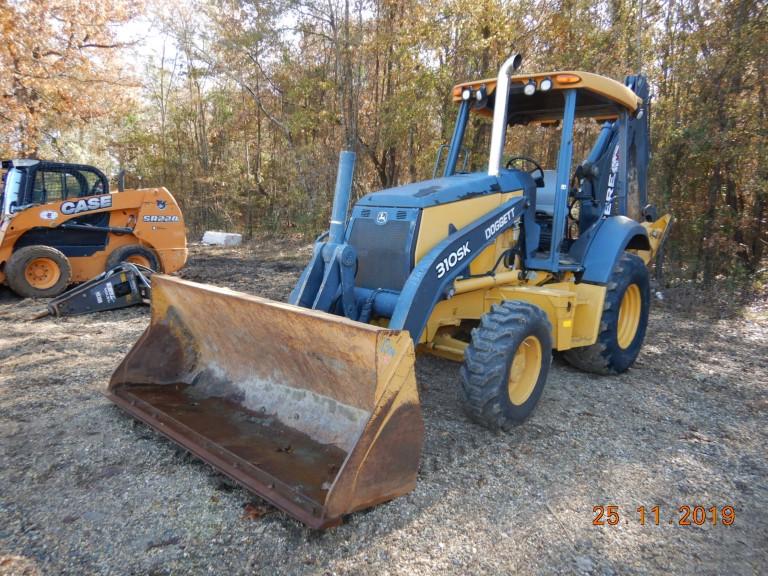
(448, 189)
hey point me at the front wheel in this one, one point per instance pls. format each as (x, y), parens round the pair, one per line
(623, 323)
(38, 272)
(506, 364)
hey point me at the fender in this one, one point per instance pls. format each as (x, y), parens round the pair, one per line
(602, 244)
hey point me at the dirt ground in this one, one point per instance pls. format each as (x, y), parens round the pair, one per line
(84, 489)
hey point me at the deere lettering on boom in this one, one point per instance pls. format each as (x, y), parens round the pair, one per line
(313, 404)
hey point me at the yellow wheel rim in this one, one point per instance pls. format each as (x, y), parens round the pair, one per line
(139, 259)
(525, 369)
(42, 273)
(629, 316)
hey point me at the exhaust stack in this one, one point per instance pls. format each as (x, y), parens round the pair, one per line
(341, 197)
(500, 113)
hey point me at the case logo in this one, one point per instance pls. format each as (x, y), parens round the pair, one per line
(381, 218)
(49, 214)
(86, 204)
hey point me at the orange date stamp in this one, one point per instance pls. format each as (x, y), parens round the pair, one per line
(686, 515)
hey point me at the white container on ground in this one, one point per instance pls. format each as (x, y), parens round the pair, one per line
(222, 238)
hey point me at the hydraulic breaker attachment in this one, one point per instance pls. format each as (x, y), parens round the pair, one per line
(124, 285)
(316, 413)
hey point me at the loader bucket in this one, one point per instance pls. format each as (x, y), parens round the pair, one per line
(317, 414)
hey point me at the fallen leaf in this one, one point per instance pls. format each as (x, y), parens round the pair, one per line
(254, 511)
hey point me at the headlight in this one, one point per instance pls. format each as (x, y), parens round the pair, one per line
(530, 88)
(546, 84)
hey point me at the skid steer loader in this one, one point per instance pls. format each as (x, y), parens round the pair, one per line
(59, 225)
(313, 404)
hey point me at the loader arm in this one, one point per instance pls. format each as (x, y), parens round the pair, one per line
(434, 275)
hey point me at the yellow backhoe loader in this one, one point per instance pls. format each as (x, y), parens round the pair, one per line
(313, 404)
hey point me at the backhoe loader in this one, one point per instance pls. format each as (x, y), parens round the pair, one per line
(313, 404)
(60, 224)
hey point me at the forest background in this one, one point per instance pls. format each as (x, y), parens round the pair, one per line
(239, 107)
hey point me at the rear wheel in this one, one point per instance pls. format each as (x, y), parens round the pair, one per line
(135, 254)
(506, 364)
(623, 323)
(38, 272)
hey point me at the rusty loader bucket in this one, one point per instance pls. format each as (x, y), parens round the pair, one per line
(315, 413)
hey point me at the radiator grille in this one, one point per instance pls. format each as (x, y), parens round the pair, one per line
(383, 253)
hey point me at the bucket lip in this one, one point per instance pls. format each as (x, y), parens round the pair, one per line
(289, 308)
(301, 507)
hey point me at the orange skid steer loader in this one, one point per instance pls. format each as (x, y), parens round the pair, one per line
(313, 404)
(59, 224)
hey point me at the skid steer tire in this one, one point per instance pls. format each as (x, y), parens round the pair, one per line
(38, 272)
(506, 364)
(623, 324)
(135, 254)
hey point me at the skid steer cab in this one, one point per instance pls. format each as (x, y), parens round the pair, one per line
(60, 224)
(314, 405)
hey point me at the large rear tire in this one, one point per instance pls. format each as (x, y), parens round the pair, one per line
(38, 272)
(135, 254)
(506, 364)
(623, 323)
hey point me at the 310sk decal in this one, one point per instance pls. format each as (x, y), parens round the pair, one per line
(452, 259)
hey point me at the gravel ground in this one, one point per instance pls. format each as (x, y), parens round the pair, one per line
(84, 489)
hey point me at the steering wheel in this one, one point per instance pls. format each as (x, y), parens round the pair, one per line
(538, 178)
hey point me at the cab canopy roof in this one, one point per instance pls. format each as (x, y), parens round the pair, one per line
(596, 97)
(19, 162)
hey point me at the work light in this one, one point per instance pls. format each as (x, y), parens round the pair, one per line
(530, 87)
(546, 84)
